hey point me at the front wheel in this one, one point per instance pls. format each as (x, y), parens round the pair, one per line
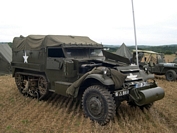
(170, 75)
(98, 104)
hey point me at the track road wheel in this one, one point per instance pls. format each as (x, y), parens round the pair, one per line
(43, 88)
(170, 75)
(98, 104)
(19, 80)
(146, 106)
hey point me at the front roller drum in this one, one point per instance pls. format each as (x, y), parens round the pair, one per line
(143, 97)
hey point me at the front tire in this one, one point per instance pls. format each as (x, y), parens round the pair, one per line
(98, 104)
(170, 75)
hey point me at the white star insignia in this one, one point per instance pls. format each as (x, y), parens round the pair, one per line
(25, 58)
(132, 76)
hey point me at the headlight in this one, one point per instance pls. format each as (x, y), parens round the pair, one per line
(146, 69)
(105, 71)
(142, 84)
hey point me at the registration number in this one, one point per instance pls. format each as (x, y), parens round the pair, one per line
(121, 93)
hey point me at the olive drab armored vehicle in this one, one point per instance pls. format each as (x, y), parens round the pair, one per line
(78, 67)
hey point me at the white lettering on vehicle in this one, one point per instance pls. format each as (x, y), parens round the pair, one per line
(122, 93)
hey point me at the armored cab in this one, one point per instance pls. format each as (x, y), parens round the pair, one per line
(78, 67)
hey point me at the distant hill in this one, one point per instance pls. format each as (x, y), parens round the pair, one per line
(167, 49)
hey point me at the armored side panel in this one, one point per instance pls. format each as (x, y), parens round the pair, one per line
(29, 60)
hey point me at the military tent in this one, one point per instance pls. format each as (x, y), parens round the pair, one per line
(124, 51)
(5, 59)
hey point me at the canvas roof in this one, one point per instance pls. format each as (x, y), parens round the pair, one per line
(6, 52)
(146, 51)
(124, 51)
(36, 42)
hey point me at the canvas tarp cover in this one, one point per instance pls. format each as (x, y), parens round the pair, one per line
(36, 42)
(117, 77)
(124, 51)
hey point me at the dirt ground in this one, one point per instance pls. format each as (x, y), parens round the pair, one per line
(21, 114)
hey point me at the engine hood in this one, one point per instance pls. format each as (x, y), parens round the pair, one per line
(168, 64)
(115, 58)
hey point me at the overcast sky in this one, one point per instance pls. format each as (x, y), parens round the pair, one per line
(104, 21)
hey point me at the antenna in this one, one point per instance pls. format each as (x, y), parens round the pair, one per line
(135, 35)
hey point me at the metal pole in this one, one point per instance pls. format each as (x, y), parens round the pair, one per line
(135, 35)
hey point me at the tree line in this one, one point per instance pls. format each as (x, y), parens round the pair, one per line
(166, 49)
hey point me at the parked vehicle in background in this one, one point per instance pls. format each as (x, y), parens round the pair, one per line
(78, 67)
(154, 62)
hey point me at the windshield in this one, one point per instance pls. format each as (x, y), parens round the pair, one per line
(160, 58)
(83, 52)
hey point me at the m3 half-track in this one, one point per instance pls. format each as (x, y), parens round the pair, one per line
(78, 67)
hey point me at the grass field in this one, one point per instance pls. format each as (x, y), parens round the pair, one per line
(58, 114)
